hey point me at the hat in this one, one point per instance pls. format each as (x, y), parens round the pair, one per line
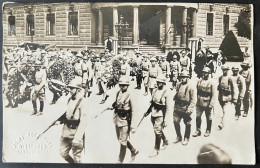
(153, 59)
(245, 63)
(85, 57)
(175, 57)
(38, 63)
(124, 59)
(124, 81)
(235, 68)
(75, 83)
(106, 50)
(103, 60)
(184, 74)
(161, 78)
(163, 56)
(224, 67)
(22, 63)
(79, 55)
(206, 69)
(138, 52)
(183, 51)
(43, 52)
(211, 154)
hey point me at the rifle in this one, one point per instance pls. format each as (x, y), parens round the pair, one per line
(102, 112)
(146, 114)
(62, 119)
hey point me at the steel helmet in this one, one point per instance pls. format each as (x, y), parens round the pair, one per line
(245, 63)
(103, 60)
(206, 69)
(161, 78)
(175, 57)
(224, 67)
(75, 83)
(124, 81)
(235, 68)
(153, 59)
(184, 74)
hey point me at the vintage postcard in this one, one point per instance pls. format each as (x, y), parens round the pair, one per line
(128, 82)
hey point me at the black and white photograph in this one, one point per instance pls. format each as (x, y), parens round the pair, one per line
(128, 83)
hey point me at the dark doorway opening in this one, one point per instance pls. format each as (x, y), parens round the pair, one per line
(149, 18)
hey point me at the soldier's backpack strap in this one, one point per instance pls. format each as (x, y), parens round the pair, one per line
(163, 94)
(77, 105)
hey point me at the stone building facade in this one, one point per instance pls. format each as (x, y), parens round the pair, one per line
(151, 25)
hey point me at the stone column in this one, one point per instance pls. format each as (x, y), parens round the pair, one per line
(135, 25)
(194, 21)
(100, 27)
(115, 21)
(184, 28)
(168, 25)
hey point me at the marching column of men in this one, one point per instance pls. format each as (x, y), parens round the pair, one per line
(191, 96)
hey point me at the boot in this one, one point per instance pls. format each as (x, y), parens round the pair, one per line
(236, 117)
(15, 104)
(41, 106)
(187, 132)
(34, 112)
(10, 104)
(178, 139)
(122, 153)
(133, 155)
(165, 142)
(221, 125)
(178, 132)
(154, 153)
(185, 142)
(197, 133)
(158, 139)
(69, 159)
(207, 133)
(209, 124)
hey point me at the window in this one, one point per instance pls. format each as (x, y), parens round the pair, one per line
(11, 26)
(73, 23)
(209, 28)
(50, 29)
(30, 25)
(225, 24)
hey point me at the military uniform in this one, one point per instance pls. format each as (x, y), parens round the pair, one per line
(124, 119)
(125, 69)
(185, 100)
(165, 66)
(138, 72)
(175, 69)
(73, 131)
(185, 63)
(160, 110)
(228, 92)
(39, 89)
(206, 97)
(145, 73)
(86, 72)
(154, 71)
(248, 79)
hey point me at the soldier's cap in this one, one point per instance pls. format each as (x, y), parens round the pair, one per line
(124, 59)
(245, 63)
(106, 50)
(38, 63)
(103, 60)
(235, 68)
(138, 52)
(75, 83)
(43, 52)
(211, 154)
(93, 50)
(152, 59)
(183, 52)
(185, 73)
(175, 57)
(23, 63)
(124, 81)
(224, 67)
(79, 55)
(161, 78)
(85, 57)
(163, 56)
(206, 69)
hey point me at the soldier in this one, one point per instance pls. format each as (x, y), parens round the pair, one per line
(165, 66)
(154, 71)
(160, 109)
(145, 73)
(185, 100)
(124, 119)
(175, 68)
(248, 79)
(184, 61)
(103, 80)
(206, 95)
(241, 90)
(77, 66)
(75, 123)
(125, 68)
(138, 72)
(86, 72)
(39, 88)
(228, 92)
(97, 73)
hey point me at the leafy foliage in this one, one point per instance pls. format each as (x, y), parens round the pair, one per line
(243, 25)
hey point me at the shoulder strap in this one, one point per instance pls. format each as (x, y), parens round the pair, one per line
(77, 105)
(163, 94)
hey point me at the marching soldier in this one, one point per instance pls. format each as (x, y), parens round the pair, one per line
(185, 100)
(241, 90)
(228, 92)
(160, 109)
(154, 71)
(75, 123)
(184, 61)
(206, 94)
(175, 68)
(125, 68)
(248, 79)
(77, 66)
(39, 88)
(145, 73)
(138, 72)
(103, 80)
(86, 72)
(124, 119)
(97, 74)
(165, 66)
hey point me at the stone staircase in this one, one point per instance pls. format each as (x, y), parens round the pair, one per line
(147, 49)
(243, 42)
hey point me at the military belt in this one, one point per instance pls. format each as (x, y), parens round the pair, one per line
(204, 93)
(181, 102)
(72, 124)
(84, 71)
(123, 113)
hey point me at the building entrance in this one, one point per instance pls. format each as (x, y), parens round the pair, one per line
(149, 32)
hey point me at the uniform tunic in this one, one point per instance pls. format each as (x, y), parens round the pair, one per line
(185, 63)
(165, 66)
(153, 73)
(145, 70)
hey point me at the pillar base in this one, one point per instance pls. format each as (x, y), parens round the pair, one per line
(100, 44)
(183, 45)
